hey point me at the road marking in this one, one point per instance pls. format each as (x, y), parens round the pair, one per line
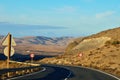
(28, 74)
(64, 68)
(68, 76)
(99, 71)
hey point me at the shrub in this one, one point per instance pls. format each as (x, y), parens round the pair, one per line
(115, 42)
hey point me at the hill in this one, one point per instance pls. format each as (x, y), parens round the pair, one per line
(100, 51)
(39, 45)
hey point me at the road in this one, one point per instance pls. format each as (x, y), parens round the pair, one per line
(57, 72)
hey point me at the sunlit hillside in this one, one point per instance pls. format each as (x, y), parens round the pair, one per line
(100, 51)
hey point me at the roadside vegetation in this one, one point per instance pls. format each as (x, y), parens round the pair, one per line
(17, 69)
(100, 51)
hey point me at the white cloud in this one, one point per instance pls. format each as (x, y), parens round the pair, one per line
(105, 14)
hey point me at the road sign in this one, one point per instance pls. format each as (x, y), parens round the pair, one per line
(6, 51)
(80, 54)
(6, 41)
(32, 55)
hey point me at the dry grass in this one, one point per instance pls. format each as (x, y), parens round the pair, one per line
(22, 71)
(97, 53)
(3, 65)
(102, 59)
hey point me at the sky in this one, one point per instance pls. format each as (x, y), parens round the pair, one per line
(56, 18)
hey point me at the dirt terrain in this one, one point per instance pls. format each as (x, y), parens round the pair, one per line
(100, 51)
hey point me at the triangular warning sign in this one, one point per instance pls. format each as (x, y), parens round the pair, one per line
(13, 43)
(6, 40)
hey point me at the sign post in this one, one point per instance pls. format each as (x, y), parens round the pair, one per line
(8, 51)
(32, 56)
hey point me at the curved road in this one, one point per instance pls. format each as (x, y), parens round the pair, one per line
(57, 72)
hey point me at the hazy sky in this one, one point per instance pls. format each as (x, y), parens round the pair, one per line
(75, 17)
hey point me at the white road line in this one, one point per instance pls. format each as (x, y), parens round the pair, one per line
(68, 76)
(28, 74)
(67, 69)
(99, 71)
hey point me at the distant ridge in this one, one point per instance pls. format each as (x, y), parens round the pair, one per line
(40, 44)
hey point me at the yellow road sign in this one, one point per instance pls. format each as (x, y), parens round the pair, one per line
(6, 40)
(6, 51)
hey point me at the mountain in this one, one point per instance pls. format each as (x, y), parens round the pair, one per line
(43, 40)
(100, 51)
(40, 45)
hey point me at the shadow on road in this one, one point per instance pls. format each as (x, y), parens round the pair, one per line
(59, 73)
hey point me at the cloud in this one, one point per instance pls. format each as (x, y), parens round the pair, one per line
(28, 26)
(104, 14)
(65, 9)
(27, 29)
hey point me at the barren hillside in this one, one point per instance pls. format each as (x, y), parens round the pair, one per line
(100, 51)
(39, 45)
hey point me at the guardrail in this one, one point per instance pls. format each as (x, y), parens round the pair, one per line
(26, 63)
(13, 72)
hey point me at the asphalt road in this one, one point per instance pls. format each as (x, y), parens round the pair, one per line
(56, 72)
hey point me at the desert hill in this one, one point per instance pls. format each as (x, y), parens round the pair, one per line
(112, 33)
(96, 40)
(42, 40)
(100, 51)
(39, 45)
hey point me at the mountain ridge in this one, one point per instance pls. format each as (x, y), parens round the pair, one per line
(39, 44)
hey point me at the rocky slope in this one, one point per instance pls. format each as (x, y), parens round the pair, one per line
(100, 51)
